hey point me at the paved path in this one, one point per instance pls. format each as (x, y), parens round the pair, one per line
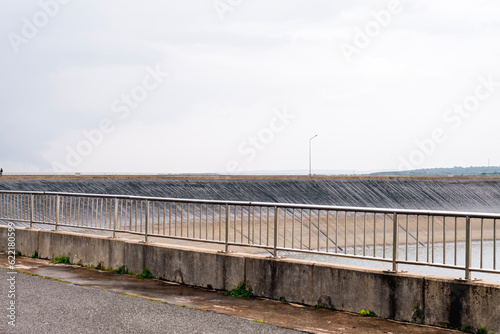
(48, 306)
(94, 303)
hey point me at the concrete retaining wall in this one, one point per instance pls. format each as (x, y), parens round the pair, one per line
(405, 297)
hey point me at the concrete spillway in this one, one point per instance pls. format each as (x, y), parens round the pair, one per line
(457, 194)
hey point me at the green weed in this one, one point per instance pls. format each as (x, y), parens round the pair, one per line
(146, 274)
(321, 306)
(483, 330)
(123, 270)
(367, 313)
(130, 295)
(61, 259)
(240, 291)
(466, 329)
(418, 315)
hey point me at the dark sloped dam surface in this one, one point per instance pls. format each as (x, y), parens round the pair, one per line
(456, 194)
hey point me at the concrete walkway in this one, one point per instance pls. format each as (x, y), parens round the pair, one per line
(55, 307)
(51, 307)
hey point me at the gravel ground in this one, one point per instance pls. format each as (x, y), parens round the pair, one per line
(48, 306)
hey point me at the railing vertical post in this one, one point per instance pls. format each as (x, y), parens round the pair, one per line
(467, 248)
(58, 209)
(228, 212)
(32, 210)
(395, 242)
(276, 212)
(115, 221)
(147, 222)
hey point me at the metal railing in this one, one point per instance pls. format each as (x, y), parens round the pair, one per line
(466, 241)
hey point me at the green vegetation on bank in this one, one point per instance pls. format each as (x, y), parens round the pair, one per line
(452, 171)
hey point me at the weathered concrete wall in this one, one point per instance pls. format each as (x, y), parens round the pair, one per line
(406, 297)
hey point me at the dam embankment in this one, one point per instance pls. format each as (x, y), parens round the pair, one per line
(453, 194)
(406, 297)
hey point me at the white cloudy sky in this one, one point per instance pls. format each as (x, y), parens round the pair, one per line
(232, 68)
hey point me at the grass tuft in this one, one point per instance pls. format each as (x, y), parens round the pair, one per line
(130, 295)
(123, 270)
(241, 291)
(24, 272)
(320, 306)
(192, 308)
(483, 330)
(33, 274)
(146, 274)
(61, 259)
(466, 329)
(56, 279)
(367, 313)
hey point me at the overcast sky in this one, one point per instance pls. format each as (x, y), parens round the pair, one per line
(242, 85)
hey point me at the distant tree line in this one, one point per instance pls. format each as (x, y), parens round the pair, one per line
(454, 171)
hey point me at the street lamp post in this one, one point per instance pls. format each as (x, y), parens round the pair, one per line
(310, 165)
